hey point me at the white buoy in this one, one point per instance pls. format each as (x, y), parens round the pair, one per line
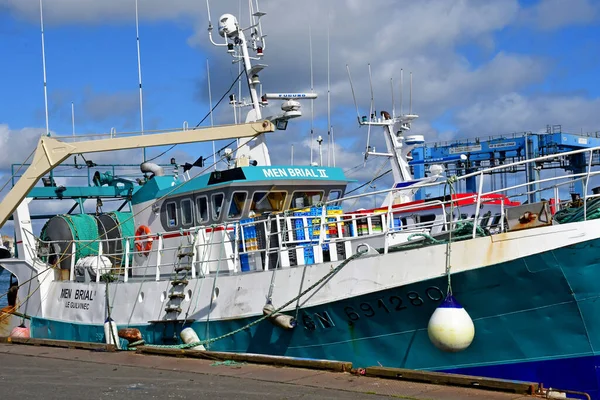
(281, 320)
(111, 334)
(450, 327)
(188, 335)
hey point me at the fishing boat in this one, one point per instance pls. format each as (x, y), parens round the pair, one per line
(271, 259)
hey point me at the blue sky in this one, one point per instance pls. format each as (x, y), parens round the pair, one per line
(481, 67)
(92, 63)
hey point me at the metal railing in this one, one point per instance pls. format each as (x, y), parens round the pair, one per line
(222, 247)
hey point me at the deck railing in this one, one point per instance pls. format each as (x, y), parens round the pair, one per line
(323, 233)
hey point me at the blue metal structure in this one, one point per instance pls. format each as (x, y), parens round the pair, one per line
(89, 183)
(498, 150)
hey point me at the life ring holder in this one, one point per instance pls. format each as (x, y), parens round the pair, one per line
(143, 240)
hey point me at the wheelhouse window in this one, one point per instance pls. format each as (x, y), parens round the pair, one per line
(426, 220)
(217, 203)
(267, 202)
(334, 195)
(172, 214)
(237, 205)
(306, 199)
(187, 212)
(202, 209)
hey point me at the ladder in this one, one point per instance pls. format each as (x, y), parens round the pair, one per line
(181, 272)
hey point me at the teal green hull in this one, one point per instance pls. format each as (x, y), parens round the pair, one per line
(531, 316)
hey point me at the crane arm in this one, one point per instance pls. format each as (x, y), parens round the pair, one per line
(50, 152)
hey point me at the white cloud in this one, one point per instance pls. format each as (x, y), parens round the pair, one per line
(100, 12)
(553, 14)
(110, 106)
(514, 112)
(17, 144)
(422, 36)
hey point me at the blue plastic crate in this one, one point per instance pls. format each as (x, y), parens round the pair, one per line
(244, 262)
(309, 255)
(299, 228)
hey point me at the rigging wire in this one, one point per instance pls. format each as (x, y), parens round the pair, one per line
(206, 116)
(368, 183)
(361, 165)
(64, 255)
(17, 171)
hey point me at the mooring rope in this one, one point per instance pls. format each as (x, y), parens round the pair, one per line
(450, 184)
(251, 324)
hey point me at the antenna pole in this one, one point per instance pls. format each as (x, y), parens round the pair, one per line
(292, 154)
(211, 113)
(333, 145)
(137, 35)
(410, 109)
(73, 117)
(372, 97)
(393, 103)
(370, 118)
(401, 90)
(239, 116)
(353, 96)
(328, 99)
(44, 68)
(312, 89)
(208, 11)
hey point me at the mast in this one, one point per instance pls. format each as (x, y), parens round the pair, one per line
(73, 117)
(139, 63)
(328, 101)
(254, 150)
(312, 102)
(44, 68)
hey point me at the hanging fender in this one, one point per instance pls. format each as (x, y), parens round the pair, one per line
(143, 240)
(281, 320)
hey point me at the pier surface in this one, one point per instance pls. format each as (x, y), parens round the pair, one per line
(64, 373)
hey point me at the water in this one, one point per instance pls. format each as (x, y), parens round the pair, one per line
(4, 281)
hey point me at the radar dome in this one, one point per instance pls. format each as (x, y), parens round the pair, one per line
(228, 25)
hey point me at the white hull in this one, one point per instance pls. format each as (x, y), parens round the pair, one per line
(243, 294)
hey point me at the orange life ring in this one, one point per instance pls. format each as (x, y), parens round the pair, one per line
(143, 245)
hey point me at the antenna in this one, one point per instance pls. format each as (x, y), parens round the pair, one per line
(393, 103)
(370, 118)
(210, 28)
(292, 154)
(259, 14)
(333, 145)
(240, 98)
(401, 89)
(328, 99)
(73, 117)
(353, 96)
(211, 112)
(44, 68)
(233, 102)
(372, 97)
(137, 35)
(312, 89)
(208, 11)
(410, 95)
